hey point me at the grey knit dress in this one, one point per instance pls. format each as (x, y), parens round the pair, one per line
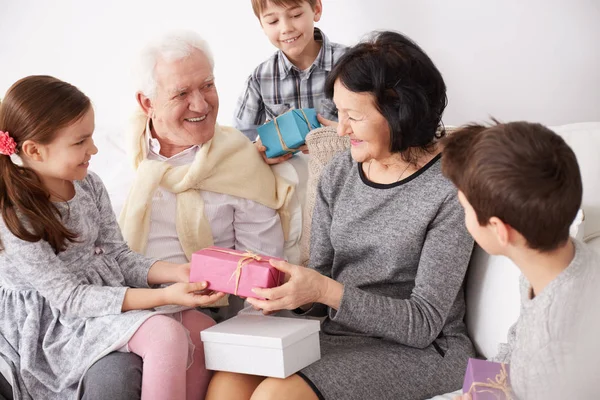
(60, 313)
(401, 250)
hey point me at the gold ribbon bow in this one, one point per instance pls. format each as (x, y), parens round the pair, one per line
(283, 145)
(499, 383)
(246, 258)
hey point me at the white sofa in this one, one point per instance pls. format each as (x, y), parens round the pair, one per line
(492, 282)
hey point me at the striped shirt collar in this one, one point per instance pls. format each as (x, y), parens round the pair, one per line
(324, 59)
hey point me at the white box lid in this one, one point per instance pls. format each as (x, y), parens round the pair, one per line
(261, 331)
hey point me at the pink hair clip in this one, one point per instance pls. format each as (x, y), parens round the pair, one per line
(8, 146)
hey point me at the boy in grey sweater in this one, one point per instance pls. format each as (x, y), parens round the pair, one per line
(520, 186)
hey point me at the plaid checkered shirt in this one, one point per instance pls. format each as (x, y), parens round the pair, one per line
(277, 86)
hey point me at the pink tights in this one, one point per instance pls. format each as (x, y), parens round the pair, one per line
(162, 342)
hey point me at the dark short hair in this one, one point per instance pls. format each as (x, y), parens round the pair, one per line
(409, 90)
(520, 172)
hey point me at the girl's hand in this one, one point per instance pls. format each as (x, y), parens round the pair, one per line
(275, 160)
(190, 294)
(304, 286)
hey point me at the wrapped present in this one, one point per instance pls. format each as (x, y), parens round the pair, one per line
(288, 131)
(487, 380)
(262, 345)
(235, 272)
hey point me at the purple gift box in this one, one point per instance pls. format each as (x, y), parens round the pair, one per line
(487, 380)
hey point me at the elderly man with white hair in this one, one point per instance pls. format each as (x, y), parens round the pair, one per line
(197, 184)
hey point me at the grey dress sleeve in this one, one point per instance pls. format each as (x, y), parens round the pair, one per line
(55, 281)
(134, 266)
(418, 320)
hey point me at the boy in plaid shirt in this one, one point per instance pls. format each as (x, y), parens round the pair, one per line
(294, 77)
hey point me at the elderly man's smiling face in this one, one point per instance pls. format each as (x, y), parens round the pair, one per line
(185, 106)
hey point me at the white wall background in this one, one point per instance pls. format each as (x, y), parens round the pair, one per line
(512, 59)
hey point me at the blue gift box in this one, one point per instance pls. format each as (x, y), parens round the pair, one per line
(288, 131)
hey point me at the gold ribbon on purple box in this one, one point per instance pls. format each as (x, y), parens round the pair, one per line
(500, 383)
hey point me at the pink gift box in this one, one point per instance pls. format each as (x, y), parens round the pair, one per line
(487, 380)
(218, 267)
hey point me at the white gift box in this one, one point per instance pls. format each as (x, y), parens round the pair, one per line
(262, 345)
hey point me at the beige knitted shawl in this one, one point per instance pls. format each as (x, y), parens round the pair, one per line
(228, 164)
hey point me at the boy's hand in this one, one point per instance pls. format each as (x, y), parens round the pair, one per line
(326, 122)
(275, 160)
(190, 294)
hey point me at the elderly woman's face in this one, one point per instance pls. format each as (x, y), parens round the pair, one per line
(360, 120)
(186, 103)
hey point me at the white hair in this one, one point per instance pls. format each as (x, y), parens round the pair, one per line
(171, 46)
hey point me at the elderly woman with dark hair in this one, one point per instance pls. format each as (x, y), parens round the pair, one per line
(389, 249)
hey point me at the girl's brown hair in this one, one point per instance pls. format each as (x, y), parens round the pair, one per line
(35, 108)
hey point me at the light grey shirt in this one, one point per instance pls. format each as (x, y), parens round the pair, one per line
(544, 339)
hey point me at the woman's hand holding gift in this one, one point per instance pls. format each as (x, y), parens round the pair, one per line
(303, 286)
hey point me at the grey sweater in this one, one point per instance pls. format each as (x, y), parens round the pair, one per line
(401, 250)
(542, 343)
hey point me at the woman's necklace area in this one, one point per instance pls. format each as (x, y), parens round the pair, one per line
(397, 180)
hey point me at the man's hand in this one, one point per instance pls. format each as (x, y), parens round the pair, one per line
(190, 294)
(183, 273)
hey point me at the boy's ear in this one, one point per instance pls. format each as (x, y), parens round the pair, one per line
(502, 231)
(318, 10)
(32, 150)
(145, 103)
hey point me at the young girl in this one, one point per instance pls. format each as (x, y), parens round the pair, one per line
(66, 275)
